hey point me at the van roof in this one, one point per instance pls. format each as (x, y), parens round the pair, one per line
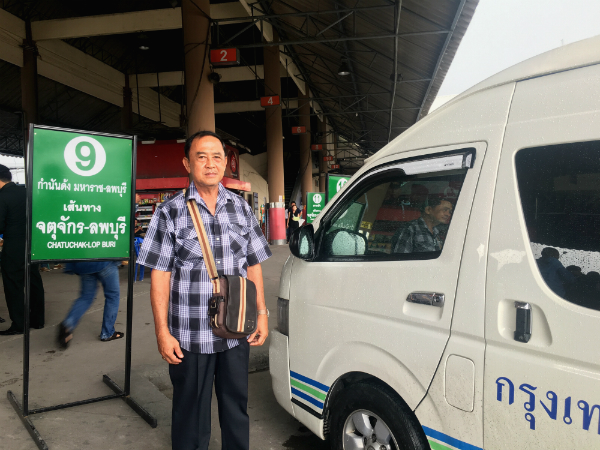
(578, 54)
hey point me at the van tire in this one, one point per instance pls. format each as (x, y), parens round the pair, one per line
(384, 404)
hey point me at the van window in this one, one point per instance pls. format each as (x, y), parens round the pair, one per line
(394, 216)
(559, 187)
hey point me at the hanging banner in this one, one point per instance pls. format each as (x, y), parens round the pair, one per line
(80, 195)
(315, 202)
(334, 184)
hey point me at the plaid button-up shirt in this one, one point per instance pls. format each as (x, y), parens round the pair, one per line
(416, 237)
(171, 245)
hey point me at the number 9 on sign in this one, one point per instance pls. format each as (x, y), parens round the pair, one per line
(85, 156)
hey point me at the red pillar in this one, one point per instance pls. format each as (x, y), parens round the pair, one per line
(305, 152)
(275, 179)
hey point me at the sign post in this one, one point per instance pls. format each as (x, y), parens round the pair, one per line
(80, 207)
(315, 202)
(334, 184)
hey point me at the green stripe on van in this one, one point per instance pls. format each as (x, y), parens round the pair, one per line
(308, 389)
(437, 446)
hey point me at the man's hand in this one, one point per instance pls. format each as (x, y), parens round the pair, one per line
(169, 348)
(258, 338)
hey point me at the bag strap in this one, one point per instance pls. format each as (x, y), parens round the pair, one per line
(209, 259)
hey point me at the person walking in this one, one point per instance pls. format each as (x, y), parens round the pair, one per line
(180, 291)
(12, 225)
(90, 273)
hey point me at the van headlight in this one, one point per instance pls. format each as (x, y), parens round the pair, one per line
(283, 316)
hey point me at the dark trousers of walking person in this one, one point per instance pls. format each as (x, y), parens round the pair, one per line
(13, 278)
(192, 393)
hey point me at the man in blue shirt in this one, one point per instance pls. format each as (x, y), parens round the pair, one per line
(181, 288)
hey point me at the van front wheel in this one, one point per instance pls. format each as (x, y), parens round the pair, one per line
(371, 417)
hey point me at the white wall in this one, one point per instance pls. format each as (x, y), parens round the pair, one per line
(253, 170)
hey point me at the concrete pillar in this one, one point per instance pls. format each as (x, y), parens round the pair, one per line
(305, 152)
(127, 111)
(323, 166)
(29, 86)
(200, 97)
(274, 125)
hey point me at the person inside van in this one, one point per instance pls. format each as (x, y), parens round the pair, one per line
(585, 291)
(425, 234)
(553, 272)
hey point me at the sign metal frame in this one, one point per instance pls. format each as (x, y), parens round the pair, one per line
(22, 409)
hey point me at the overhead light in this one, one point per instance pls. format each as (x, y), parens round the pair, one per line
(144, 47)
(344, 68)
(214, 77)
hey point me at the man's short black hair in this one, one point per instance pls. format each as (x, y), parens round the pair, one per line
(5, 175)
(433, 201)
(200, 135)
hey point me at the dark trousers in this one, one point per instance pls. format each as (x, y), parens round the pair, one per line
(192, 393)
(13, 279)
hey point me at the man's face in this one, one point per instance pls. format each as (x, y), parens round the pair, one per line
(206, 161)
(440, 213)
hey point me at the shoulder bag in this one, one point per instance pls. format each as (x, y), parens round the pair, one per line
(232, 309)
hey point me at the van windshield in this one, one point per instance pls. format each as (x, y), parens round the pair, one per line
(560, 195)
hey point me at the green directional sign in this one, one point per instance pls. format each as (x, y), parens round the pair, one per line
(80, 187)
(315, 202)
(334, 184)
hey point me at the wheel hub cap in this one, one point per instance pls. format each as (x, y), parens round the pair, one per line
(364, 430)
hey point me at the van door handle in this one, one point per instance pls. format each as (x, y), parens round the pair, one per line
(523, 325)
(427, 298)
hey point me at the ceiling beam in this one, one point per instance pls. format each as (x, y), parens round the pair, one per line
(67, 65)
(131, 22)
(228, 75)
(252, 105)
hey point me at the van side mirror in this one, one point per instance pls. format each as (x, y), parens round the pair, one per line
(302, 243)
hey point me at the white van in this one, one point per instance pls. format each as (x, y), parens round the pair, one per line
(402, 326)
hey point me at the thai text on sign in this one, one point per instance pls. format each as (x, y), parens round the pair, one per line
(80, 195)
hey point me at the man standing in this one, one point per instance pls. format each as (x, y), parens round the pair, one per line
(12, 225)
(180, 291)
(426, 233)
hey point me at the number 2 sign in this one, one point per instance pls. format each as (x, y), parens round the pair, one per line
(224, 56)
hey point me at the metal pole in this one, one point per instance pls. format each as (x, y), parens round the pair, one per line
(395, 71)
(26, 330)
(342, 39)
(130, 276)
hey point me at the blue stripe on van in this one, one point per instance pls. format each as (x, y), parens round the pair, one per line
(307, 380)
(449, 440)
(308, 398)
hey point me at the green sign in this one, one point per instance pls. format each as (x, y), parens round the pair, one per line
(315, 202)
(80, 195)
(334, 184)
